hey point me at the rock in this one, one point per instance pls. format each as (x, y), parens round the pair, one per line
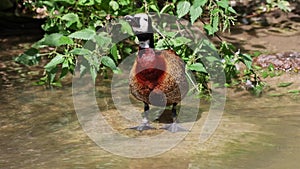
(286, 61)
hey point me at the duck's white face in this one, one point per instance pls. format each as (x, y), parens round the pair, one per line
(142, 26)
(139, 22)
(144, 23)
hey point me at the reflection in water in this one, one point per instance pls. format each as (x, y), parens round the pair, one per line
(39, 129)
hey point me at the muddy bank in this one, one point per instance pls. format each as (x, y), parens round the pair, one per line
(281, 34)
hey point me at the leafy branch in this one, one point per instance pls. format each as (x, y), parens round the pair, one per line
(72, 23)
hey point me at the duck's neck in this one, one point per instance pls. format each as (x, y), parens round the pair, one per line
(150, 65)
(146, 40)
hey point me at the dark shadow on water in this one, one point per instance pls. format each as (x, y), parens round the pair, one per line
(167, 117)
(295, 19)
(259, 46)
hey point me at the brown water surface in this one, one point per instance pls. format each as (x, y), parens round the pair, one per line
(39, 129)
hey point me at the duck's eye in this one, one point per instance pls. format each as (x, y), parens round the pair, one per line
(145, 19)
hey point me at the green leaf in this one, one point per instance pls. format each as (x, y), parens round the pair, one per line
(248, 64)
(71, 2)
(247, 60)
(114, 5)
(32, 52)
(230, 9)
(57, 84)
(54, 62)
(216, 11)
(154, 8)
(198, 3)
(271, 68)
(212, 59)
(65, 64)
(170, 34)
(167, 8)
(256, 53)
(265, 74)
(195, 13)
(86, 2)
(107, 61)
(103, 40)
(284, 5)
(223, 3)
(294, 91)
(51, 73)
(128, 50)
(64, 40)
(65, 69)
(215, 24)
(80, 51)
(272, 74)
(85, 34)
(209, 29)
(30, 57)
(126, 28)
(197, 67)
(48, 4)
(285, 84)
(178, 41)
(94, 60)
(269, 1)
(98, 1)
(55, 39)
(72, 18)
(115, 53)
(52, 39)
(161, 44)
(183, 8)
(275, 94)
(124, 2)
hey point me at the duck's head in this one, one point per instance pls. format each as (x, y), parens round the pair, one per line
(140, 23)
(142, 26)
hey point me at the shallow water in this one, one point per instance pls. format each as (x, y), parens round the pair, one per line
(39, 129)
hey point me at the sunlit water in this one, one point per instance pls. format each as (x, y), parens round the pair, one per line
(39, 129)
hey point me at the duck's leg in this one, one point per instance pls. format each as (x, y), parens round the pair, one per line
(174, 127)
(145, 125)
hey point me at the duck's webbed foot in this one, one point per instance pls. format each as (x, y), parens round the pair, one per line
(145, 125)
(174, 127)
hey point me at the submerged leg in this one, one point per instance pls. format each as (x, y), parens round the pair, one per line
(174, 127)
(145, 125)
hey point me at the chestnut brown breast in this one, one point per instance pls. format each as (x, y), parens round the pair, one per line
(158, 77)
